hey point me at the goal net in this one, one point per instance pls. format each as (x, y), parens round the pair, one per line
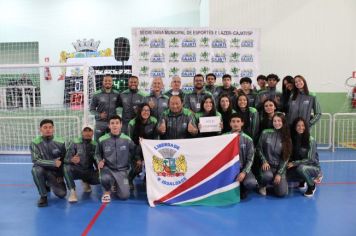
(30, 93)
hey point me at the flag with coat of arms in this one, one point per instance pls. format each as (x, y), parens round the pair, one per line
(200, 171)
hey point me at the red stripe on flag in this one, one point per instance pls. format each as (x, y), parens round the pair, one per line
(224, 156)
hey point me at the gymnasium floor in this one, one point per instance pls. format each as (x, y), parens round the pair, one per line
(332, 210)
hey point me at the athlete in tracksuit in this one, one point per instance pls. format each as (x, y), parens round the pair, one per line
(103, 106)
(129, 100)
(270, 93)
(176, 83)
(246, 156)
(177, 122)
(79, 163)
(143, 126)
(47, 153)
(304, 163)
(302, 102)
(114, 153)
(270, 151)
(192, 100)
(302, 106)
(160, 104)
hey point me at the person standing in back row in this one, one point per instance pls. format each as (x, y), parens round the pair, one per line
(302, 103)
(103, 106)
(193, 99)
(129, 101)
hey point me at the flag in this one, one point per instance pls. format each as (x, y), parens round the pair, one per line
(200, 171)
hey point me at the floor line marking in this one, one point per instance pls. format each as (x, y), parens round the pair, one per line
(93, 220)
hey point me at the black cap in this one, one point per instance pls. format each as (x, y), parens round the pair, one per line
(245, 79)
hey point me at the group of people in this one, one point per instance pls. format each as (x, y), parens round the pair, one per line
(274, 129)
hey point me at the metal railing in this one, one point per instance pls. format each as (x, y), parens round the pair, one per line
(322, 131)
(344, 130)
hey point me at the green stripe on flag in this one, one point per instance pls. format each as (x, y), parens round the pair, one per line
(220, 199)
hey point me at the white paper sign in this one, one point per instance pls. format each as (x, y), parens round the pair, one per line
(209, 124)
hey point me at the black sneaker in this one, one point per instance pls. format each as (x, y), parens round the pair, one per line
(42, 202)
(243, 195)
(310, 191)
(302, 185)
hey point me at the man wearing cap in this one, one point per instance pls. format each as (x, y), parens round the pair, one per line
(270, 93)
(246, 89)
(176, 83)
(193, 99)
(103, 105)
(79, 163)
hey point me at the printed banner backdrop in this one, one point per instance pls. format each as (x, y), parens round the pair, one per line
(165, 52)
(179, 173)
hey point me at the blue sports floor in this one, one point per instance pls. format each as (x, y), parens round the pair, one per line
(332, 210)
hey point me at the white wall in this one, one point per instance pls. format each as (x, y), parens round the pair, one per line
(56, 24)
(314, 38)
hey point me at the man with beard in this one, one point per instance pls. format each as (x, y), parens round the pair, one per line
(103, 105)
(193, 99)
(129, 100)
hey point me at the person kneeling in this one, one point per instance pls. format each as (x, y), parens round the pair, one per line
(113, 154)
(274, 149)
(79, 163)
(47, 153)
(247, 152)
(304, 164)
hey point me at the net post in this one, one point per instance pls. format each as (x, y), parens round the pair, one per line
(86, 94)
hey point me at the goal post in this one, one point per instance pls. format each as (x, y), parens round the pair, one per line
(32, 92)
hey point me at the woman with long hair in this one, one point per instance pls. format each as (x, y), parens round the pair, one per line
(207, 108)
(274, 149)
(287, 88)
(224, 107)
(249, 115)
(302, 103)
(269, 109)
(304, 163)
(142, 126)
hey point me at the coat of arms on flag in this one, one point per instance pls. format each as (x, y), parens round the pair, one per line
(199, 171)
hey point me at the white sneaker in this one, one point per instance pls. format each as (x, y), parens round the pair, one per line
(86, 187)
(105, 198)
(73, 196)
(262, 191)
